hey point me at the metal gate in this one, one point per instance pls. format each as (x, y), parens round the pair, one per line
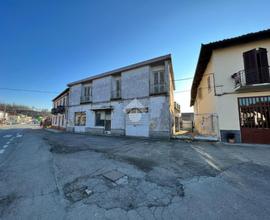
(137, 123)
(254, 115)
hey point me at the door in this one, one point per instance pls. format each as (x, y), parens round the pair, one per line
(107, 122)
(137, 123)
(254, 114)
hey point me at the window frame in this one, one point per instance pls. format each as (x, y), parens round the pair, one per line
(87, 91)
(99, 120)
(158, 73)
(106, 115)
(209, 84)
(81, 118)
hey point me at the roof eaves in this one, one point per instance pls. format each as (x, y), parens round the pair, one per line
(61, 94)
(206, 52)
(122, 69)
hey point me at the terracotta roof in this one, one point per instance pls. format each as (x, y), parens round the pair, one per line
(126, 68)
(62, 93)
(207, 49)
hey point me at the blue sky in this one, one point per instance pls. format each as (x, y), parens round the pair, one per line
(44, 44)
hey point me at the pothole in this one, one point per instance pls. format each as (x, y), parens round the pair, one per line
(116, 177)
(115, 189)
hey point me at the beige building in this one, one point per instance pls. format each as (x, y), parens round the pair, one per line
(231, 89)
(60, 110)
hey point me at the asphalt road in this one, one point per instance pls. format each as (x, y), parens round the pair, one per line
(28, 189)
(43, 175)
(9, 140)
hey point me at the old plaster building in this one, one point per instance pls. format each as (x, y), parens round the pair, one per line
(136, 100)
(60, 110)
(231, 88)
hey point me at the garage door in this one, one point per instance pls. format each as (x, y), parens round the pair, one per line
(254, 115)
(137, 124)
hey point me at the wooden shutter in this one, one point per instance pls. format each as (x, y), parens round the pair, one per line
(263, 65)
(251, 67)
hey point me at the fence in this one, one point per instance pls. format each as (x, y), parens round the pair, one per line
(202, 124)
(206, 124)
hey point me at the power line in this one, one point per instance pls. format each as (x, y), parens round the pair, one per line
(182, 91)
(188, 78)
(28, 90)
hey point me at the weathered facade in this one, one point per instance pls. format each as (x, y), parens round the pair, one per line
(60, 110)
(135, 100)
(231, 89)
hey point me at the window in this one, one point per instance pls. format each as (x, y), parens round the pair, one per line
(159, 82)
(103, 118)
(100, 118)
(118, 87)
(80, 118)
(63, 118)
(86, 93)
(256, 66)
(159, 77)
(209, 84)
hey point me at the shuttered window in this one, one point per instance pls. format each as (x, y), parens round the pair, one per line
(263, 65)
(256, 66)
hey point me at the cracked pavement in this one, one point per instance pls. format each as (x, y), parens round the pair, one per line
(46, 176)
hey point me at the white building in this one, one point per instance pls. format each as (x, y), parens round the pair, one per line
(60, 110)
(136, 100)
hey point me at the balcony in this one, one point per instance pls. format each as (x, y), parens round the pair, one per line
(177, 107)
(251, 80)
(116, 94)
(61, 109)
(86, 99)
(58, 110)
(54, 111)
(156, 89)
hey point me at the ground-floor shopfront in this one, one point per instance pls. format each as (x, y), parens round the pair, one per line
(149, 117)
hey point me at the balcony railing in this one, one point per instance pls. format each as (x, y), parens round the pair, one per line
(177, 106)
(58, 110)
(86, 99)
(54, 111)
(116, 94)
(255, 77)
(158, 88)
(61, 109)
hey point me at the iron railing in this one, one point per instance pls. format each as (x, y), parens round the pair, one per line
(259, 77)
(116, 94)
(58, 110)
(86, 99)
(158, 88)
